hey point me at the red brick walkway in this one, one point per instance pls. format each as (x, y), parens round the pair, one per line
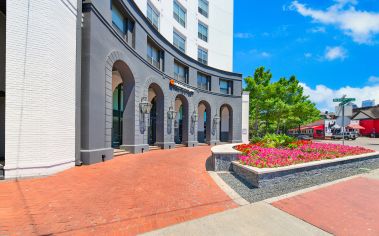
(347, 208)
(128, 195)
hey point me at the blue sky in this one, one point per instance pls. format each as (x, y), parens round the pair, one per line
(332, 46)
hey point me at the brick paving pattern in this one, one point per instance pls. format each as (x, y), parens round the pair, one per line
(347, 208)
(128, 195)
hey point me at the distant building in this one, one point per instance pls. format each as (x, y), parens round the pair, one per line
(327, 115)
(355, 106)
(368, 103)
(369, 119)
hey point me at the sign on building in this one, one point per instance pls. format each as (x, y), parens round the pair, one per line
(330, 126)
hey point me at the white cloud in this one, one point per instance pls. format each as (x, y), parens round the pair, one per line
(255, 53)
(323, 96)
(362, 26)
(265, 54)
(373, 79)
(334, 53)
(317, 30)
(244, 35)
(308, 55)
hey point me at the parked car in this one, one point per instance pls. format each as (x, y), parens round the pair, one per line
(303, 137)
(346, 135)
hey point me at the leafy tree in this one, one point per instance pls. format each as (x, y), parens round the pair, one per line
(277, 106)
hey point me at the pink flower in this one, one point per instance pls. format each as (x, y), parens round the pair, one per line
(261, 157)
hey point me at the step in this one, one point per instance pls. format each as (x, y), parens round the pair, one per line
(203, 144)
(180, 145)
(1, 172)
(119, 152)
(154, 148)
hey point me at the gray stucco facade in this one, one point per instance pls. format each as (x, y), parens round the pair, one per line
(104, 51)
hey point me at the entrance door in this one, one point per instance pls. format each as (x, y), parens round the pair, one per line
(118, 107)
(152, 133)
(179, 126)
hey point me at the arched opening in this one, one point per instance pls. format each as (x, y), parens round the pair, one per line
(226, 124)
(122, 103)
(181, 121)
(155, 132)
(204, 122)
(2, 83)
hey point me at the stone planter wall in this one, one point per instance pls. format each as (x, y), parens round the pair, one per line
(258, 176)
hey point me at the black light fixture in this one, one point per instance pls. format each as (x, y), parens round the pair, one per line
(216, 119)
(145, 106)
(194, 117)
(171, 113)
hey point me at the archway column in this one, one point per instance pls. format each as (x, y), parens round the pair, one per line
(165, 129)
(135, 143)
(214, 138)
(192, 125)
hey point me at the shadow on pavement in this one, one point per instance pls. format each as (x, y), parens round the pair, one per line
(209, 164)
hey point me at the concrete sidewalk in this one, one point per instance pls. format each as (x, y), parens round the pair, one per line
(264, 218)
(254, 219)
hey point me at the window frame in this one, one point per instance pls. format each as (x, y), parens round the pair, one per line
(176, 15)
(153, 11)
(180, 36)
(200, 84)
(159, 63)
(116, 9)
(229, 86)
(178, 76)
(203, 12)
(201, 59)
(200, 35)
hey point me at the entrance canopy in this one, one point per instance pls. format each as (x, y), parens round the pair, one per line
(355, 126)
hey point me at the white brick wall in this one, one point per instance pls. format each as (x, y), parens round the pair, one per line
(2, 84)
(245, 117)
(40, 87)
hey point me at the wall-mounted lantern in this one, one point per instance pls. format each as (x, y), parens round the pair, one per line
(216, 122)
(216, 119)
(171, 114)
(145, 106)
(194, 117)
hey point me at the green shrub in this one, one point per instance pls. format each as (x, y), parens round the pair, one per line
(274, 140)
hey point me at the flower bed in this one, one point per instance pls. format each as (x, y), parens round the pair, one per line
(257, 155)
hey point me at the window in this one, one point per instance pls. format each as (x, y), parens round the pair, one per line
(203, 32)
(203, 81)
(202, 56)
(226, 86)
(180, 14)
(154, 55)
(179, 42)
(203, 7)
(119, 21)
(153, 16)
(180, 72)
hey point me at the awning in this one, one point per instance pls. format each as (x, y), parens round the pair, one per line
(355, 126)
(320, 127)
